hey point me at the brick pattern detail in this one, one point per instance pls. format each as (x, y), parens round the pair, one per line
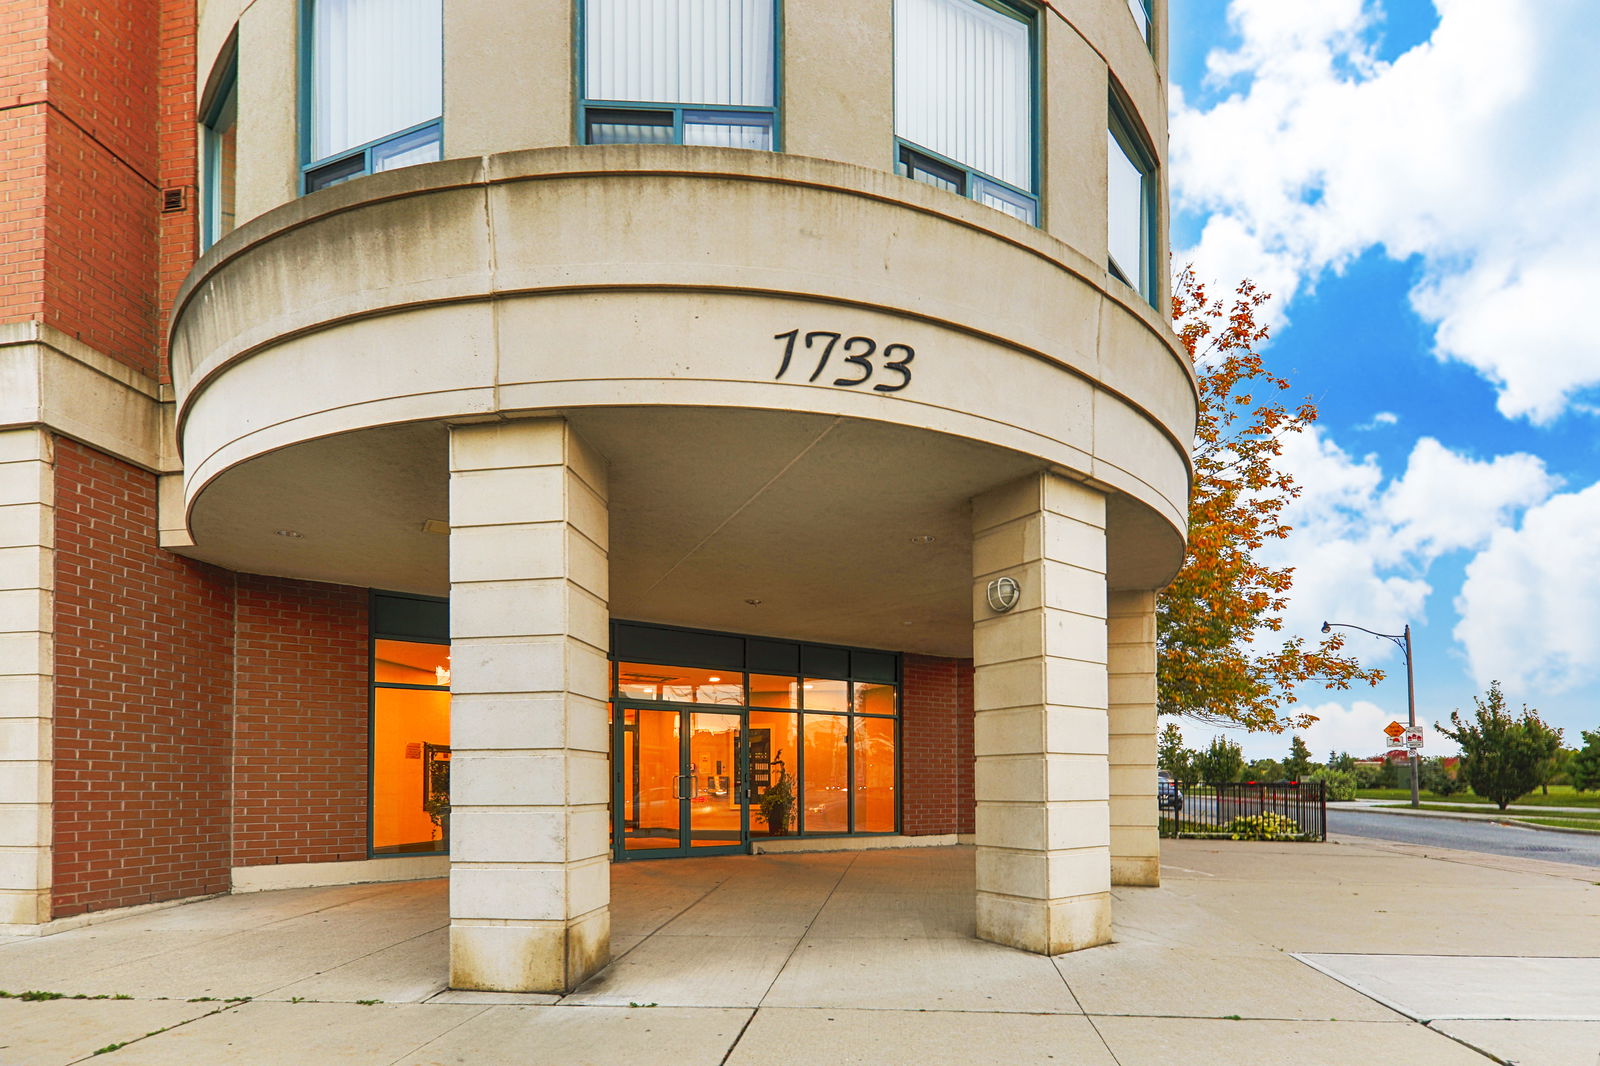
(300, 722)
(24, 60)
(936, 746)
(179, 167)
(143, 663)
(78, 221)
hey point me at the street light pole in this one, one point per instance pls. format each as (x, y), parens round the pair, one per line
(1403, 641)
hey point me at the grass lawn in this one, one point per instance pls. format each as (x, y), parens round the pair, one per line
(1560, 796)
(1590, 822)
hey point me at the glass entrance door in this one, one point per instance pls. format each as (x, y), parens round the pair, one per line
(682, 783)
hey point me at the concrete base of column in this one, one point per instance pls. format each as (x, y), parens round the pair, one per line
(1141, 871)
(1045, 927)
(529, 956)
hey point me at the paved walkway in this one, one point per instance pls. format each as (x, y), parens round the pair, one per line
(864, 957)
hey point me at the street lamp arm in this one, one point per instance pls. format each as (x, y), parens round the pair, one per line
(1401, 641)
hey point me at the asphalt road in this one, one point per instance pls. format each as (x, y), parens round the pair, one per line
(1580, 849)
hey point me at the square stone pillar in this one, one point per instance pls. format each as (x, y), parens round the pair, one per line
(1039, 732)
(1131, 661)
(27, 626)
(530, 875)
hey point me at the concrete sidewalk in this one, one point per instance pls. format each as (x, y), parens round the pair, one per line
(864, 957)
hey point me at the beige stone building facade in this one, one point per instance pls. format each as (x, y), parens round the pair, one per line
(714, 366)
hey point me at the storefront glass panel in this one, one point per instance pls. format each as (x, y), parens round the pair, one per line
(873, 699)
(410, 768)
(773, 690)
(822, 695)
(825, 796)
(679, 684)
(650, 802)
(774, 760)
(874, 775)
(716, 810)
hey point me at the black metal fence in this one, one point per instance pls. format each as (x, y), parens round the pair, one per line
(1282, 810)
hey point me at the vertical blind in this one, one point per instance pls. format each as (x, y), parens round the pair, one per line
(962, 74)
(1125, 212)
(376, 69)
(679, 51)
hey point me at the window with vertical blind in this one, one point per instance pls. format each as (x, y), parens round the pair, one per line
(218, 173)
(375, 87)
(964, 100)
(700, 72)
(1130, 205)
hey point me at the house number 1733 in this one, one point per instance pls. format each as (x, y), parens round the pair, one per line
(857, 351)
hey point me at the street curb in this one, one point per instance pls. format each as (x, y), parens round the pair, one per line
(1465, 816)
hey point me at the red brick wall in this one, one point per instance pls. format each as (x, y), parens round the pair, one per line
(78, 218)
(936, 745)
(300, 722)
(179, 237)
(142, 693)
(24, 57)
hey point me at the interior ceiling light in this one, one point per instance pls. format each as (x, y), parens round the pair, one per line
(713, 680)
(294, 534)
(924, 538)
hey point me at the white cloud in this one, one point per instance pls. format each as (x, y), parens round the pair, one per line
(1382, 418)
(1474, 151)
(1361, 546)
(1355, 727)
(1530, 605)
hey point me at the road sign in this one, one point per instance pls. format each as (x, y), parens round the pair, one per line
(1394, 729)
(1413, 739)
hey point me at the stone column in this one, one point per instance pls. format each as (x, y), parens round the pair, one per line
(1039, 734)
(530, 877)
(27, 578)
(1131, 662)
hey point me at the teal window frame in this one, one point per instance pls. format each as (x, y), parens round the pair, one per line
(1123, 130)
(211, 164)
(908, 154)
(673, 112)
(1144, 15)
(351, 162)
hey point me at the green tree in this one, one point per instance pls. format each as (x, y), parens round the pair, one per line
(1435, 777)
(1218, 656)
(1584, 766)
(1174, 758)
(1342, 761)
(1502, 757)
(1263, 770)
(1298, 764)
(1222, 763)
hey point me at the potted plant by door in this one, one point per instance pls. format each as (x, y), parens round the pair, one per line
(777, 807)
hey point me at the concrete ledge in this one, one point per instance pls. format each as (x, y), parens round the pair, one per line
(322, 874)
(78, 921)
(781, 845)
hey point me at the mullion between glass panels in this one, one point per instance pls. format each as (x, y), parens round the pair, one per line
(365, 151)
(968, 172)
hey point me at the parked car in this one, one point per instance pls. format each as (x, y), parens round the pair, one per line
(1169, 797)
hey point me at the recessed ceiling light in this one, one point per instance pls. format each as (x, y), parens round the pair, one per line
(713, 679)
(291, 533)
(753, 603)
(908, 623)
(925, 538)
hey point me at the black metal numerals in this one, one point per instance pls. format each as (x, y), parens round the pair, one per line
(857, 351)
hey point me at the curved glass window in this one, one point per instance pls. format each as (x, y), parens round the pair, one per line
(376, 87)
(679, 72)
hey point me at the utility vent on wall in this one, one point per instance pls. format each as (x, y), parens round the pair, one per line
(174, 200)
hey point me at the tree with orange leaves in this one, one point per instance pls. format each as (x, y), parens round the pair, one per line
(1215, 623)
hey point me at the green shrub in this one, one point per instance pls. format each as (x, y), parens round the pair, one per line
(1268, 826)
(1369, 776)
(1341, 784)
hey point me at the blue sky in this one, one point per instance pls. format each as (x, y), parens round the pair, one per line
(1419, 186)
